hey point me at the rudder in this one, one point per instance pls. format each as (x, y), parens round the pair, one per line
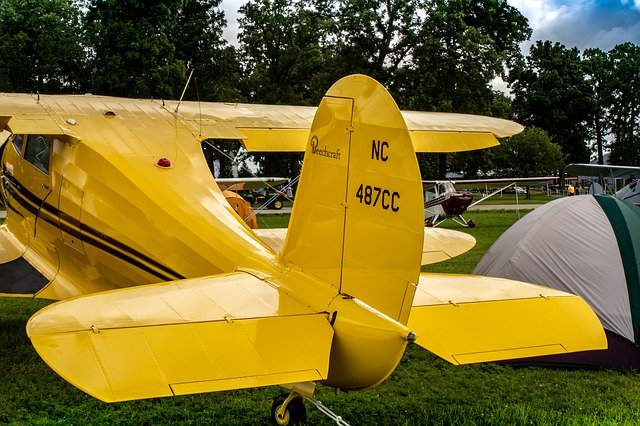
(357, 222)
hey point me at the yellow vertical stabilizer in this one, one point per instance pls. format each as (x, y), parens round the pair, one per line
(357, 222)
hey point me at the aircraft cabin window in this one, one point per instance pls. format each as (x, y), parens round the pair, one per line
(37, 151)
(17, 143)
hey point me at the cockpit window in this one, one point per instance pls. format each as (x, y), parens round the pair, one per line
(38, 151)
(17, 143)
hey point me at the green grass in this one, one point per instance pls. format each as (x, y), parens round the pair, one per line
(423, 389)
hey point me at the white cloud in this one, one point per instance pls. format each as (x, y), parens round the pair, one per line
(582, 23)
(230, 8)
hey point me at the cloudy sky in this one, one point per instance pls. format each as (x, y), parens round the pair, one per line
(580, 23)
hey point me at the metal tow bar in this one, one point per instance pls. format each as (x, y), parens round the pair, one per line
(333, 416)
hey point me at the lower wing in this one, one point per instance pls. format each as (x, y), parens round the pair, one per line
(439, 244)
(466, 319)
(201, 335)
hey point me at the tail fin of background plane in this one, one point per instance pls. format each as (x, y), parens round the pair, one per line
(357, 222)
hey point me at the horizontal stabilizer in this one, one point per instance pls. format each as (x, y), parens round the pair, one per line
(201, 335)
(468, 319)
(439, 244)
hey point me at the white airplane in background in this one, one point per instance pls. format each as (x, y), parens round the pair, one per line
(629, 193)
(443, 201)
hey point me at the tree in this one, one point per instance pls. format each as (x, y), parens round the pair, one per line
(625, 111)
(374, 37)
(551, 92)
(460, 52)
(283, 48)
(462, 47)
(199, 43)
(528, 154)
(40, 46)
(598, 73)
(131, 48)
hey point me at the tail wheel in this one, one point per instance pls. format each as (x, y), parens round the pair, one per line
(295, 412)
(277, 204)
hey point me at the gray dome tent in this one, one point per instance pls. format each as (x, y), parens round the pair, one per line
(588, 245)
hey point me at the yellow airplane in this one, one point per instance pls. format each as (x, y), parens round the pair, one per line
(112, 206)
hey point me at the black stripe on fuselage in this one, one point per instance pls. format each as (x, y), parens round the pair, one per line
(93, 237)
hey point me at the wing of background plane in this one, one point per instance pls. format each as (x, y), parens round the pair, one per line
(602, 170)
(286, 128)
(226, 332)
(629, 193)
(499, 182)
(238, 184)
(439, 244)
(463, 319)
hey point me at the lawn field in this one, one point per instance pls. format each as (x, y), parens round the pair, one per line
(423, 390)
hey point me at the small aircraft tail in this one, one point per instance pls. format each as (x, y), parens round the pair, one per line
(357, 222)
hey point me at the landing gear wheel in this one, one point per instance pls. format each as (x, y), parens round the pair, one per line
(471, 223)
(277, 204)
(295, 413)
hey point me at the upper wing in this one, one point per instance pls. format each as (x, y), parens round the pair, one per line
(450, 132)
(286, 127)
(467, 318)
(201, 335)
(238, 184)
(439, 244)
(260, 127)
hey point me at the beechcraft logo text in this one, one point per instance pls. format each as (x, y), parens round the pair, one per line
(323, 152)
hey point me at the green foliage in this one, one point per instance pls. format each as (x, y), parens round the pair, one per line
(282, 44)
(461, 49)
(528, 154)
(598, 74)
(144, 49)
(625, 109)
(375, 37)
(132, 53)
(40, 46)
(199, 43)
(552, 93)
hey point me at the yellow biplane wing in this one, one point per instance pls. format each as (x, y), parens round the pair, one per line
(200, 335)
(439, 244)
(270, 128)
(286, 128)
(466, 319)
